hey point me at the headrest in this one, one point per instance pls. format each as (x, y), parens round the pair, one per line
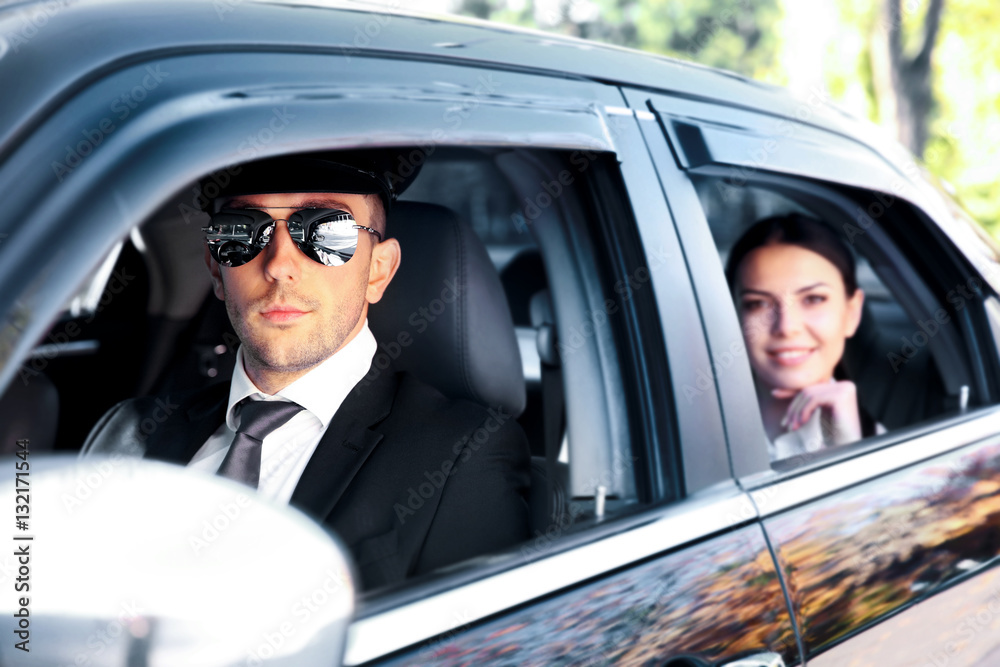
(444, 316)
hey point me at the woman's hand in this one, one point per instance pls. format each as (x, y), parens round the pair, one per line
(839, 401)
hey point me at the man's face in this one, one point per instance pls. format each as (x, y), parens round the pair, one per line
(291, 312)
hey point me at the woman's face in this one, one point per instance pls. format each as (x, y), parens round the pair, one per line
(795, 314)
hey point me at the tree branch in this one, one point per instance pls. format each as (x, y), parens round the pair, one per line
(893, 23)
(932, 24)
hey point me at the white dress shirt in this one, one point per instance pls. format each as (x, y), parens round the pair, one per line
(286, 451)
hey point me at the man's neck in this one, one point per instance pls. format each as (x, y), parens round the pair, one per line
(270, 381)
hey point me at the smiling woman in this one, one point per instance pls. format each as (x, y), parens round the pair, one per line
(798, 301)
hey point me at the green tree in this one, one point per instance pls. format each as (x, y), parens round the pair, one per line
(903, 81)
(738, 36)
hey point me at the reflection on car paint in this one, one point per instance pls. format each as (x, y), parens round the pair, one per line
(856, 556)
(957, 627)
(712, 601)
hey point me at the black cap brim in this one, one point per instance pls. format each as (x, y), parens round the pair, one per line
(349, 172)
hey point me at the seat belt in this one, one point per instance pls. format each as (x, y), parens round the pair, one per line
(552, 393)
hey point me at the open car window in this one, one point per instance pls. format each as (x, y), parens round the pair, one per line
(913, 357)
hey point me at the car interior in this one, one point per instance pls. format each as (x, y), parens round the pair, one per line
(907, 367)
(147, 323)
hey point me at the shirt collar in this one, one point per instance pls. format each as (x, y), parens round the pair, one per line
(321, 390)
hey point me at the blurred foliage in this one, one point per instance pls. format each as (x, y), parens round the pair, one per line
(751, 37)
(737, 36)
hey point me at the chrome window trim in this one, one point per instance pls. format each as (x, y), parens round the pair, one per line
(73, 348)
(617, 111)
(395, 629)
(785, 494)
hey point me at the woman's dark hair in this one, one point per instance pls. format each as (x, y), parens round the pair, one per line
(799, 230)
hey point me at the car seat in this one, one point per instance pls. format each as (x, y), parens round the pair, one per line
(446, 320)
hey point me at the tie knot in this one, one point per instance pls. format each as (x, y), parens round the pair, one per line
(259, 418)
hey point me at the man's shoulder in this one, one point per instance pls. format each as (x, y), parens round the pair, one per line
(422, 419)
(124, 427)
(415, 395)
(193, 401)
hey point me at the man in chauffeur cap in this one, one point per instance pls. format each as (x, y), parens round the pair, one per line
(297, 251)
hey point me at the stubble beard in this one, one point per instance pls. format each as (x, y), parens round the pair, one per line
(266, 354)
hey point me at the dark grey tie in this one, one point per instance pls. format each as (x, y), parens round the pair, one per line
(257, 420)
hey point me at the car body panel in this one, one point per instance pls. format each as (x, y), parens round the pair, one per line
(669, 608)
(871, 550)
(66, 44)
(959, 626)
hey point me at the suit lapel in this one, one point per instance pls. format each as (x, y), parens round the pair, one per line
(345, 446)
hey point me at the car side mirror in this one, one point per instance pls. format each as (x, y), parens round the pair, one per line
(121, 561)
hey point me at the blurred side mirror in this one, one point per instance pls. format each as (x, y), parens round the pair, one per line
(127, 562)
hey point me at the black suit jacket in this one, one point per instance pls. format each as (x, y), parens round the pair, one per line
(408, 479)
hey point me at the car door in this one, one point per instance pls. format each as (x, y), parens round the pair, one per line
(667, 562)
(887, 546)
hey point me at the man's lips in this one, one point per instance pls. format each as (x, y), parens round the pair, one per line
(282, 314)
(790, 356)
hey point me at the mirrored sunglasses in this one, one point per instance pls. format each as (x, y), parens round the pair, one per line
(326, 235)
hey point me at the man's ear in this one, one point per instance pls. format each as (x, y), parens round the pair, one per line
(215, 271)
(385, 262)
(854, 311)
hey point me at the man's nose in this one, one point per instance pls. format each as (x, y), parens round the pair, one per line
(282, 258)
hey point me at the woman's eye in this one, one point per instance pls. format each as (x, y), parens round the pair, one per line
(751, 305)
(813, 299)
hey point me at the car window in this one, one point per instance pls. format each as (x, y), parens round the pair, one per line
(167, 335)
(909, 357)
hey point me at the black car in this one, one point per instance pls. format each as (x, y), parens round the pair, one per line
(607, 187)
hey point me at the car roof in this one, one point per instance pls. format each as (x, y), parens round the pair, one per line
(54, 48)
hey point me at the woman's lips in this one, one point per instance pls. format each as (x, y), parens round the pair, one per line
(790, 356)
